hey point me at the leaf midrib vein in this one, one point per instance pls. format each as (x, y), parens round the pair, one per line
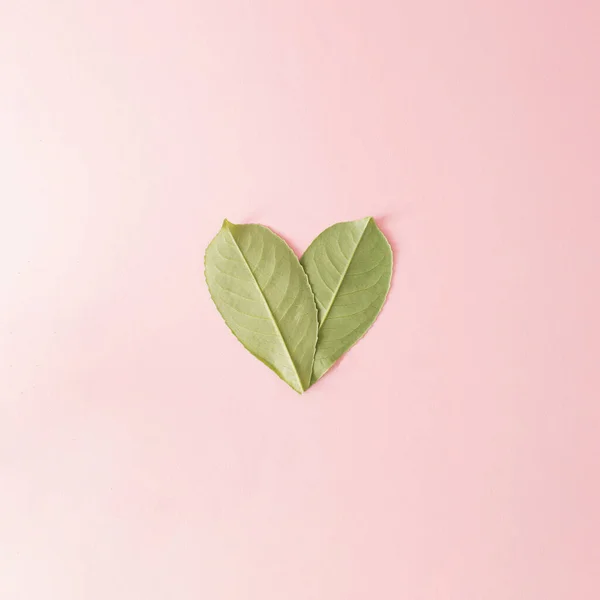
(339, 285)
(268, 309)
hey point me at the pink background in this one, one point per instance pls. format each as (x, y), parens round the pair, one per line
(454, 454)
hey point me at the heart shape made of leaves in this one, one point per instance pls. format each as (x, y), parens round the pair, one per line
(299, 316)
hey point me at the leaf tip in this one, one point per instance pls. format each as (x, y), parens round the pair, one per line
(364, 221)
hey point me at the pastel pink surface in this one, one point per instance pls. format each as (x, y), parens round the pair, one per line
(454, 453)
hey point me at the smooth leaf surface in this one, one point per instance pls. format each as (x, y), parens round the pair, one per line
(263, 294)
(349, 266)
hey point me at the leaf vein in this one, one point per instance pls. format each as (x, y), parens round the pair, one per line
(363, 289)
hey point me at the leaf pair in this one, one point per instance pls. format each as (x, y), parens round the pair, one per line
(299, 317)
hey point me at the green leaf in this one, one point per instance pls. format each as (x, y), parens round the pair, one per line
(349, 266)
(263, 294)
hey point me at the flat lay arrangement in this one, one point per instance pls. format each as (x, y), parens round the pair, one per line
(299, 316)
